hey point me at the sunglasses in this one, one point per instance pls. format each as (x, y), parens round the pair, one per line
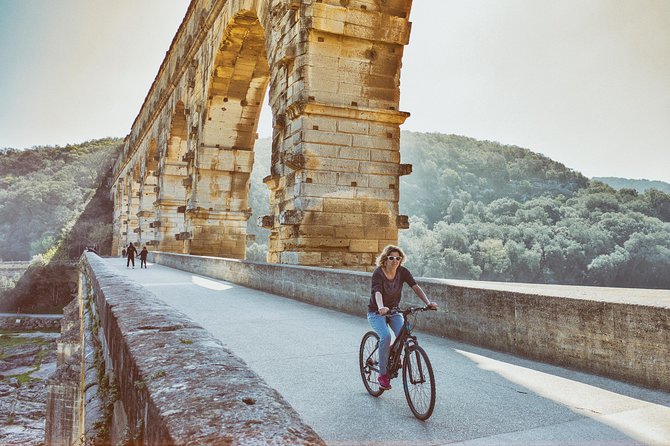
(398, 258)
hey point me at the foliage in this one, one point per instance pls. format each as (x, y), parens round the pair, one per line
(525, 218)
(54, 201)
(43, 192)
(637, 185)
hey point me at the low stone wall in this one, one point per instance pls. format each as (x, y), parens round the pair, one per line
(29, 322)
(174, 383)
(615, 332)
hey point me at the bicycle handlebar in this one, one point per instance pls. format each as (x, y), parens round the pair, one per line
(408, 310)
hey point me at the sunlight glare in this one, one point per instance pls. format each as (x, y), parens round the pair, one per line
(209, 283)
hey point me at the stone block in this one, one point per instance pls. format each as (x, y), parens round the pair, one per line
(342, 205)
(384, 156)
(382, 181)
(326, 191)
(348, 126)
(319, 177)
(320, 150)
(333, 219)
(376, 220)
(363, 246)
(350, 232)
(309, 203)
(336, 139)
(355, 153)
(379, 168)
(390, 195)
(316, 231)
(352, 179)
(334, 164)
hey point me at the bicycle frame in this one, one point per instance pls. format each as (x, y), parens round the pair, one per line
(403, 341)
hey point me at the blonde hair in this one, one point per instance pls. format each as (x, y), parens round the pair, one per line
(381, 259)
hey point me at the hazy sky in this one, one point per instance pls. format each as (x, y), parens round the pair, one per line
(585, 82)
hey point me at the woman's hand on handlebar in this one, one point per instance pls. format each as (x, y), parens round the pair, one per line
(432, 306)
(383, 310)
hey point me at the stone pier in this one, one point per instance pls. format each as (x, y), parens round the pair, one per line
(332, 69)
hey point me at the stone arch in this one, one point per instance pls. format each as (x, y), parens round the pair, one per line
(334, 77)
(146, 215)
(220, 169)
(170, 190)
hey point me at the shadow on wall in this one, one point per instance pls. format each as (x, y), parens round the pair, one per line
(43, 288)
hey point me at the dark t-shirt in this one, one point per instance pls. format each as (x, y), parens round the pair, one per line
(391, 289)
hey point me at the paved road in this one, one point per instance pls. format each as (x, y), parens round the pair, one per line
(309, 354)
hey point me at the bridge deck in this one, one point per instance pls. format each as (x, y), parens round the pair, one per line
(309, 355)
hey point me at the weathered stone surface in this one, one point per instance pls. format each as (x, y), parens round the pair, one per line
(22, 322)
(23, 403)
(176, 383)
(333, 71)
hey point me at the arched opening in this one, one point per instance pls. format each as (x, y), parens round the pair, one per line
(171, 189)
(147, 213)
(218, 208)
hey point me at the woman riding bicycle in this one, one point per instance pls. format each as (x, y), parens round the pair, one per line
(387, 281)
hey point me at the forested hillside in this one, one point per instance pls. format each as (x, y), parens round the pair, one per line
(54, 201)
(638, 185)
(44, 190)
(482, 210)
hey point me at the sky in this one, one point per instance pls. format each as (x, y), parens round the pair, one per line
(584, 82)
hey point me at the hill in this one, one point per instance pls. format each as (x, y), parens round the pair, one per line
(54, 201)
(487, 211)
(638, 185)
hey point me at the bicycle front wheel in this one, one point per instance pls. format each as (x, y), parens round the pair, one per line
(419, 382)
(368, 361)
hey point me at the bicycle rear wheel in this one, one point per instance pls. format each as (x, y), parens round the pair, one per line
(419, 382)
(368, 361)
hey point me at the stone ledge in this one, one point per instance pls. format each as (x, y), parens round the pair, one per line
(177, 381)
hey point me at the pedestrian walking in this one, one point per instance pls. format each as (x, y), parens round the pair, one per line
(131, 251)
(143, 257)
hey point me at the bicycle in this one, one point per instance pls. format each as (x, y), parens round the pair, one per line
(417, 373)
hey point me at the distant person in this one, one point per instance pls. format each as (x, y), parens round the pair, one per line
(143, 257)
(131, 251)
(123, 253)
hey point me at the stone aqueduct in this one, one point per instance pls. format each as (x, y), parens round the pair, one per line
(333, 70)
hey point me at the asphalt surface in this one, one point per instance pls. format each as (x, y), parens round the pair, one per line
(310, 355)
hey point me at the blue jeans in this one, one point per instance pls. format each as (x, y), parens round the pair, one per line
(378, 324)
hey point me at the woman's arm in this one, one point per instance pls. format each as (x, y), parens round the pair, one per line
(380, 303)
(419, 292)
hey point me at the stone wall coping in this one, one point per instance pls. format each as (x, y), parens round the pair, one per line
(176, 380)
(628, 296)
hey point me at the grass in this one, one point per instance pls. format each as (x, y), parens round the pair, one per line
(10, 340)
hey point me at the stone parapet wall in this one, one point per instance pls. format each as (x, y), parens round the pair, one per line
(29, 322)
(64, 405)
(615, 332)
(175, 383)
